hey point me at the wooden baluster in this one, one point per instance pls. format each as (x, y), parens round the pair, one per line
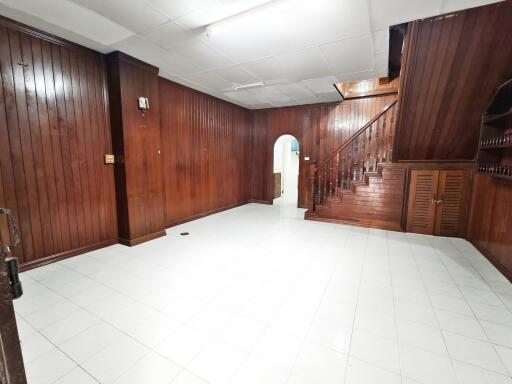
(312, 178)
(392, 133)
(337, 174)
(385, 136)
(363, 155)
(349, 165)
(325, 183)
(343, 174)
(319, 192)
(331, 170)
(378, 142)
(370, 152)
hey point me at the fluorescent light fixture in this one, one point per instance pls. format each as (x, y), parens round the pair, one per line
(215, 28)
(252, 85)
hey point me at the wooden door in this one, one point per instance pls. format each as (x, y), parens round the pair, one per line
(422, 207)
(452, 197)
(12, 370)
(277, 185)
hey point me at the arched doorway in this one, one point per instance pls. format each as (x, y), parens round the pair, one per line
(286, 170)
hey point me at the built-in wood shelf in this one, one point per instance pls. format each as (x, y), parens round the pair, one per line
(502, 177)
(494, 154)
(488, 119)
(495, 147)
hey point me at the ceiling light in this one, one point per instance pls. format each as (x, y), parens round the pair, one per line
(252, 85)
(215, 28)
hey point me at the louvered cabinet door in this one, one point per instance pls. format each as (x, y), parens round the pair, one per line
(452, 194)
(422, 209)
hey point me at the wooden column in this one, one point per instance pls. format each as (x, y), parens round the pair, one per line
(137, 148)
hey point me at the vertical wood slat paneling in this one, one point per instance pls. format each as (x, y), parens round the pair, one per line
(51, 149)
(320, 129)
(452, 65)
(490, 220)
(206, 152)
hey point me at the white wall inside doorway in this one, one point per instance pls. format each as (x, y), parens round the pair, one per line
(286, 162)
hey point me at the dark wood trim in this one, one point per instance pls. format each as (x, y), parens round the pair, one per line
(358, 223)
(67, 254)
(494, 260)
(13, 24)
(120, 56)
(142, 239)
(367, 95)
(204, 214)
(256, 201)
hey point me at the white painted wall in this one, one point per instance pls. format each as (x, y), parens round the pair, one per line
(287, 162)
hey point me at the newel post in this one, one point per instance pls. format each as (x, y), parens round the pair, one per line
(312, 177)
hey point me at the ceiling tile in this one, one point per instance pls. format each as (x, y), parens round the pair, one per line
(235, 74)
(142, 49)
(269, 94)
(296, 91)
(219, 10)
(350, 55)
(209, 80)
(356, 76)
(321, 85)
(74, 18)
(268, 69)
(456, 5)
(200, 54)
(243, 96)
(177, 8)
(390, 12)
(134, 15)
(166, 35)
(304, 64)
(381, 40)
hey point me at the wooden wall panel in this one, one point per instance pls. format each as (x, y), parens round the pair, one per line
(320, 129)
(137, 146)
(53, 134)
(452, 65)
(206, 153)
(379, 204)
(490, 220)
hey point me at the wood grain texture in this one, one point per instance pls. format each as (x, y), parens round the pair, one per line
(451, 211)
(377, 203)
(319, 128)
(438, 201)
(490, 221)
(137, 145)
(451, 68)
(421, 206)
(206, 153)
(53, 133)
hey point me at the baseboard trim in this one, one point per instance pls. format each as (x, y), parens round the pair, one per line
(64, 255)
(358, 223)
(207, 213)
(142, 239)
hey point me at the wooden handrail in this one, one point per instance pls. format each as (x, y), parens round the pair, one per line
(357, 134)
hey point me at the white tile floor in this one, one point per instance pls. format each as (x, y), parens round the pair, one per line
(257, 295)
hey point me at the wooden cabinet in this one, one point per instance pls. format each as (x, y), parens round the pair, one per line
(438, 202)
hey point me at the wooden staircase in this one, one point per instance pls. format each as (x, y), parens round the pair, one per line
(357, 184)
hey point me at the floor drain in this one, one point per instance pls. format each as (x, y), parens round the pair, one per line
(184, 233)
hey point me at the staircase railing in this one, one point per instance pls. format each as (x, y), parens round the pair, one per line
(370, 146)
